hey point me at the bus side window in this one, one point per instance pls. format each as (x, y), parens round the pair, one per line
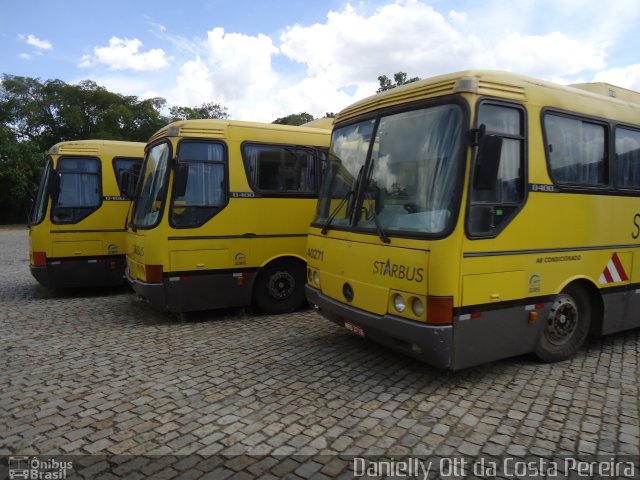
(577, 150)
(490, 209)
(126, 183)
(78, 192)
(627, 158)
(280, 169)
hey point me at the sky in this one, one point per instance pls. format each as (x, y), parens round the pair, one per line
(265, 59)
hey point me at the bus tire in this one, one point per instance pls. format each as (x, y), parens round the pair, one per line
(567, 325)
(279, 287)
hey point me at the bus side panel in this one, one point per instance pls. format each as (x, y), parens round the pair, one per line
(493, 287)
(495, 334)
(621, 310)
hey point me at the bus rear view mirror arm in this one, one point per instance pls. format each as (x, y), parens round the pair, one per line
(128, 179)
(180, 181)
(488, 162)
(54, 187)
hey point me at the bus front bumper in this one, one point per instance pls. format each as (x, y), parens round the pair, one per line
(153, 293)
(428, 343)
(107, 271)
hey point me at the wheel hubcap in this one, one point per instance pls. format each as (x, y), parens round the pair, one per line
(563, 321)
(281, 285)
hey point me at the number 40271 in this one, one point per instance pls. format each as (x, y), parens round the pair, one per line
(315, 254)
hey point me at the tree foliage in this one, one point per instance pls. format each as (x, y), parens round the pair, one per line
(35, 115)
(49, 112)
(400, 78)
(206, 110)
(295, 119)
(20, 166)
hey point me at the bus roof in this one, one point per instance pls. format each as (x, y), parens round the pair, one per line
(93, 147)
(326, 122)
(609, 90)
(217, 128)
(491, 83)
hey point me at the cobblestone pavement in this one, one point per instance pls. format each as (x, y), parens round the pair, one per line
(235, 394)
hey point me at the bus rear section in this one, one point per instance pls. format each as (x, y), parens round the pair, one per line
(77, 224)
(481, 215)
(221, 216)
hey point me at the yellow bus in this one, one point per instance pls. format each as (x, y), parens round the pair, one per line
(77, 226)
(481, 215)
(221, 215)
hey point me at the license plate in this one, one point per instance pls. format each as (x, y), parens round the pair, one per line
(352, 327)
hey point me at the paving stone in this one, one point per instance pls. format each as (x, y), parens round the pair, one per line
(100, 372)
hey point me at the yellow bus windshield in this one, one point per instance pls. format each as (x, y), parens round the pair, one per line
(404, 176)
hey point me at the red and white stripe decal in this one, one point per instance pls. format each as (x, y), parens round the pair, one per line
(613, 272)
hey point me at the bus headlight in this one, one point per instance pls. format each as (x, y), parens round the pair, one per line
(417, 307)
(399, 303)
(316, 278)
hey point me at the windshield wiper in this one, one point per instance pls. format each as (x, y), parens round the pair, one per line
(374, 216)
(350, 193)
(372, 213)
(326, 225)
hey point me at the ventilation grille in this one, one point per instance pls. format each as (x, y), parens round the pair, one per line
(399, 96)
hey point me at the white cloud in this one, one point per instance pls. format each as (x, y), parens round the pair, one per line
(124, 54)
(240, 64)
(548, 56)
(626, 77)
(193, 84)
(407, 36)
(233, 69)
(411, 36)
(38, 43)
(33, 41)
(328, 65)
(312, 95)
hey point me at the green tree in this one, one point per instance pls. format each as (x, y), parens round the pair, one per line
(35, 115)
(206, 110)
(295, 119)
(400, 78)
(20, 167)
(53, 111)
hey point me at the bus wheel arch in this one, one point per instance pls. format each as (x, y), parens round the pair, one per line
(574, 313)
(279, 285)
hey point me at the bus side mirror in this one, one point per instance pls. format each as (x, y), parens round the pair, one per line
(180, 179)
(488, 162)
(30, 207)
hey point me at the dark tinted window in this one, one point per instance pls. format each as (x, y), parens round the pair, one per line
(78, 192)
(40, 205)
(126, 164)
(281, 168)
(199, 183)
(576, 150)
(627, 158)
(490, 209)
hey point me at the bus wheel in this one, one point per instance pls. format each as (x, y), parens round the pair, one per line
(567, 325)
(279, 287)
